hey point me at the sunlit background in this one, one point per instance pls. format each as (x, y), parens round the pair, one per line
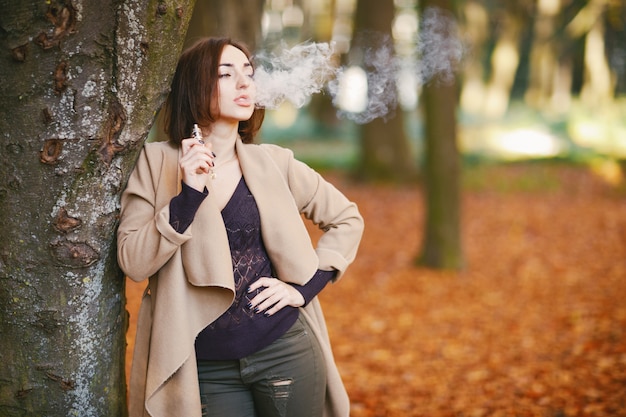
(492, 123)
(538, 259)
(512, 106)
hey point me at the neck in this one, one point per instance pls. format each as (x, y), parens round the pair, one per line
(222, 138)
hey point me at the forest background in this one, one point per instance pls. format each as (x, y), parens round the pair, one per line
(487, 158)
(527, 320)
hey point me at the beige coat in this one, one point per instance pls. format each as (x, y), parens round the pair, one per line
(191, 275)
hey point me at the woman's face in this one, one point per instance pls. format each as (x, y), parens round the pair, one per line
(236, 88)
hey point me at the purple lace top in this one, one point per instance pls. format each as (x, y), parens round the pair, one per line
(241, 331)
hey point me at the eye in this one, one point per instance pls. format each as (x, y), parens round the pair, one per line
(225, 75)
(249, 70)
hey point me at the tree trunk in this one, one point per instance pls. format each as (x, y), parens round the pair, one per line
(227, 18)
(442, 236)
(505, 60)
(597, 89)
(385, 150)
(321, 106)
(81, 82)
(477, 32)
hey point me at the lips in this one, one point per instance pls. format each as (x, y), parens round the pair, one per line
(243, 101)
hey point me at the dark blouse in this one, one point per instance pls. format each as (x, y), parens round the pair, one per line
(241, 331)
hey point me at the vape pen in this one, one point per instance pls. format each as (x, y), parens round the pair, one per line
(197, 133)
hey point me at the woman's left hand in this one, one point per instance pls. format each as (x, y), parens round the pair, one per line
(275, 294)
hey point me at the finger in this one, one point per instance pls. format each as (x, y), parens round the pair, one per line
(196, 164)
(191, 143)
(187, 144)
(275, 297)
(196, 152)
(263, 299)
(269, 307)
(275, 309)
(261, 282)
(266, 295)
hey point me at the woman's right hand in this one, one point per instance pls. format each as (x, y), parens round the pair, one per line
(196, 162)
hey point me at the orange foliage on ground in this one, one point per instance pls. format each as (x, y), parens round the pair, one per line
(535, 325)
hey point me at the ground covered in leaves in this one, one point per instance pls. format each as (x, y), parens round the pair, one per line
(535, 324)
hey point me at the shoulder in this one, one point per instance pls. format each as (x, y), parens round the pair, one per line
(157, 154)
(160, 148)
(154, 158)
(266, 153)
(270, 149)
(300, 177)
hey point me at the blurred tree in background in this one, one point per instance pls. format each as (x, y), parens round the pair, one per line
(238, 19)
(441, 165)
(384, 148)
(564, 61)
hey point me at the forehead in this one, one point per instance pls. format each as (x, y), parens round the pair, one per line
(234, 56)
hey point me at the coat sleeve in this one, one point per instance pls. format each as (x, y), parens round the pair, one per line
(145, 238)
(328, 208)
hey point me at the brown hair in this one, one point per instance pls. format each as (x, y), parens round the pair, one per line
(194, 89)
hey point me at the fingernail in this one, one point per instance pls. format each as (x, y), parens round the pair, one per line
(249, 305)
(213, 153)
(256, 309)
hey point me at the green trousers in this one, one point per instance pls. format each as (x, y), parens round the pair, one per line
(285, 379)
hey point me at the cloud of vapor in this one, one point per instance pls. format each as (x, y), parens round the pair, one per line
(294, 75)
(381, 68)
(297, 73)
(439, 48)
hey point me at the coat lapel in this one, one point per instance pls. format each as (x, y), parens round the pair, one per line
(206, 259)
(285, 237)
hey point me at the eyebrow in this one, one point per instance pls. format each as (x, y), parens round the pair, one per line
(247, 64)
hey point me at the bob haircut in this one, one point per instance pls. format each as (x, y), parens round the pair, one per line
(194, 90)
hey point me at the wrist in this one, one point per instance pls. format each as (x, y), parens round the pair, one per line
(194, 182)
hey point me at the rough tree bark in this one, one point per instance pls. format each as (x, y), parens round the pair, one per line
(81, 82)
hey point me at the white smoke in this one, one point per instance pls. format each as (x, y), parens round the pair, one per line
(439, 47)
(294, 75)
(377, 60)
(306, 69)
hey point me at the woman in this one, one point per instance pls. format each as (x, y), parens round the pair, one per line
(230, 325)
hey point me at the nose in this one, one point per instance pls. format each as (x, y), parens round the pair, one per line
(243, 80)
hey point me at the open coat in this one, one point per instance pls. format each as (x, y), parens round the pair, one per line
(191, 275)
